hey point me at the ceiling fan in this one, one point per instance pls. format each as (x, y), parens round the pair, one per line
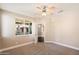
(48, 10)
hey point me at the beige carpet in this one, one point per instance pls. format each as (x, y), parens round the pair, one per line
(41, 49)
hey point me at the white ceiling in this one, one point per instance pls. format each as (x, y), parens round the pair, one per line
(29, 9)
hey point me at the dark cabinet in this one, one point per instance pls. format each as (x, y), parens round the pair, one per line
(40, 39)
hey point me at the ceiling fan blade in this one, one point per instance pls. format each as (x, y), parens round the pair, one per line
(38, 8)
(51, 7)
(60, 11)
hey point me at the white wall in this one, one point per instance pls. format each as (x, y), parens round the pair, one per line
(0, 31)
(0, 23)
(8, 23)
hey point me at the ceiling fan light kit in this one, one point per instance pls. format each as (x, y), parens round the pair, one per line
(48, 10)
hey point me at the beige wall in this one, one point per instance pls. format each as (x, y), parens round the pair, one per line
(67, 28)
(48, 29)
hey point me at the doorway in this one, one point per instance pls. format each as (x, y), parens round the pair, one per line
(40, 33)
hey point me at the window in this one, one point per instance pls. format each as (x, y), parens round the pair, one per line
(23, 27)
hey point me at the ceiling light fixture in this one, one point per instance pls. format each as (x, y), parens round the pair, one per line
(45, 10)
(43, 14)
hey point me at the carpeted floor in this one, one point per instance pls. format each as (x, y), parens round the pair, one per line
(41, 49)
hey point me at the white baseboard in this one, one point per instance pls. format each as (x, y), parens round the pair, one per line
(5, 49)
(65, 45)
(49, 41)
(12, 47)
